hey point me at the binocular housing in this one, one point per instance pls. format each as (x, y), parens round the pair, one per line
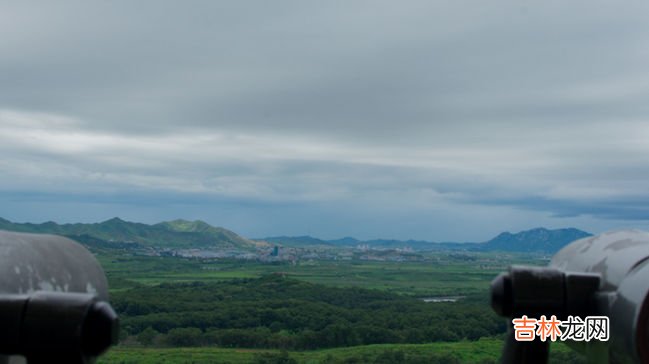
(53, 301)
(601, 276)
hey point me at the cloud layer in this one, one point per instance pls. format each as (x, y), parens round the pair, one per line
(444, 120)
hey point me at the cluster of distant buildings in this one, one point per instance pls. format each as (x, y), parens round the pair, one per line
(278, 253)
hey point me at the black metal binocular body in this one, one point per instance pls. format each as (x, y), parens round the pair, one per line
(604, 276)
(53, 301)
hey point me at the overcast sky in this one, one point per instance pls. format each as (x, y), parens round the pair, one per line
(436, 120)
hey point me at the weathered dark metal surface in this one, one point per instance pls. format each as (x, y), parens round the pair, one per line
(35, 262)
(613, 255)
(621, 258)
(53, 301)
(604, 275)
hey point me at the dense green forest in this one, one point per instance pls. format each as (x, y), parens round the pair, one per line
(483, 351)
(278, 312)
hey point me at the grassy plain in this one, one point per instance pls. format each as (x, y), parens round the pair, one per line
(444, 274)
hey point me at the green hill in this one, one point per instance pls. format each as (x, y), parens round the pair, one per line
(172, 234)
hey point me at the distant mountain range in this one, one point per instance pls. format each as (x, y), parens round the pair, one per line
(298, 241)
(177, 234)
(538, 239)
(183, 234)
(534, 240)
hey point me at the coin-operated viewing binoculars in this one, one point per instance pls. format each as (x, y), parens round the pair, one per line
(53, 301)
(598, 290)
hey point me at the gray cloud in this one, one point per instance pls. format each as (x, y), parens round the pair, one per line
(431, 110)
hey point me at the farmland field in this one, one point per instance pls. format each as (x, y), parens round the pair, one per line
(448, 274)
